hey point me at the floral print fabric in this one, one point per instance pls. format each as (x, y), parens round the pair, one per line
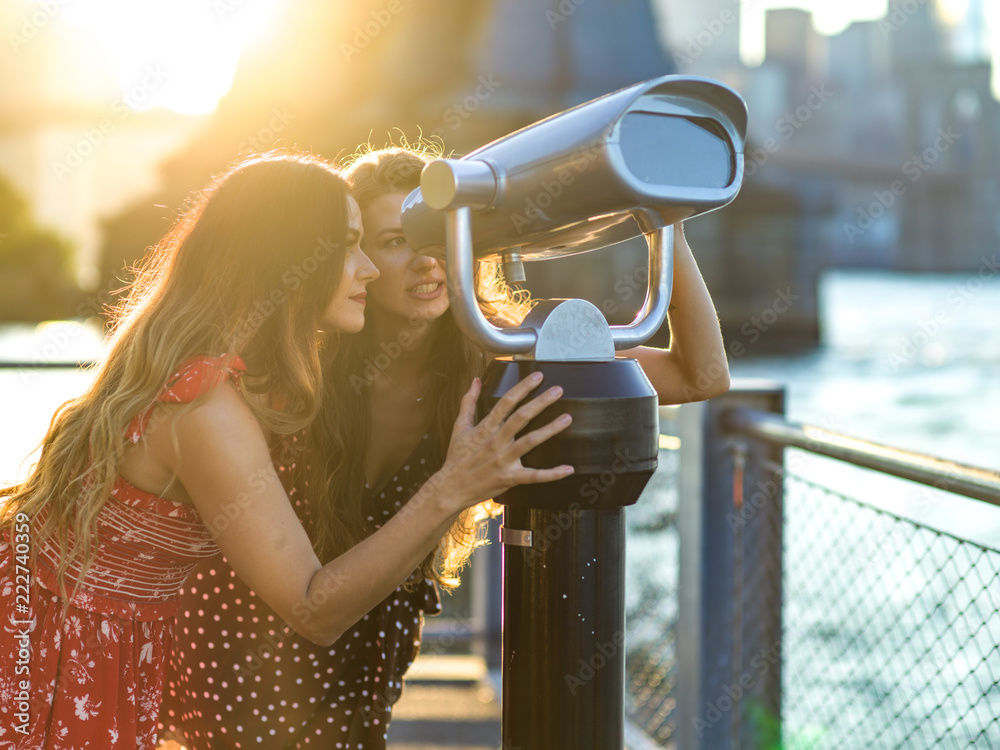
(89, 673)
(241, 678)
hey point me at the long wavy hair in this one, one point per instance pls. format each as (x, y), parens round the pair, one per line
(341, 435)
(249, 269)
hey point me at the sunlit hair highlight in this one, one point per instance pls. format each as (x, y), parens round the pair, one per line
(249, 268)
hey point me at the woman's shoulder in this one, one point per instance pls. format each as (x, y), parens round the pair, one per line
(197, 378)
(202, 410)
(219, 422)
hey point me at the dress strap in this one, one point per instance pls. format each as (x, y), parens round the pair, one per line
(196, 376)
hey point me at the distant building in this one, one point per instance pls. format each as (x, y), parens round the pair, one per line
(936, 122)
(902, 142)
(703, 38)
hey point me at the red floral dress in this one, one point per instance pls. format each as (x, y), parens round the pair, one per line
(89, 673)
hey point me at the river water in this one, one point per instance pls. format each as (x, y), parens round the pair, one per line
(909, 361)
(913, 361)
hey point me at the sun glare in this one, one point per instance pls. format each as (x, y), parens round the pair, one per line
(952, 11)
(180, 54)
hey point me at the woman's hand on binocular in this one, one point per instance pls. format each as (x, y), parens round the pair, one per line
(484, 459)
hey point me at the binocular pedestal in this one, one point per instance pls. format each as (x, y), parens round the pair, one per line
(634, 161)
(564, 630)
(564, 555)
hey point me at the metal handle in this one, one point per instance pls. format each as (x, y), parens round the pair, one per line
(462, 291)
(515, 537)
(659, 289)
(465, 307)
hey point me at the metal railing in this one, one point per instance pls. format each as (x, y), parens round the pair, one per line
(813, 617)
(44, 365)
(962, 479)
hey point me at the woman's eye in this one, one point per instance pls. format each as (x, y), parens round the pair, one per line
(398, 241)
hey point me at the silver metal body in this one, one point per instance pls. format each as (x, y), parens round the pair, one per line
(632, 162)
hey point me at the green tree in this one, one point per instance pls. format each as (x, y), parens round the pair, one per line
(36, 281)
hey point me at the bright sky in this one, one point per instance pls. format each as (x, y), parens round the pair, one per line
(180, 54)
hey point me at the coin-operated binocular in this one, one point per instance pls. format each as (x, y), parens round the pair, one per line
(632, 162)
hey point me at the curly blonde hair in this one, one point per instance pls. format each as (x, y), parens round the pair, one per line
(342, 432)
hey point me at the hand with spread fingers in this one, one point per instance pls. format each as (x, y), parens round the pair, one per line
(484, 460)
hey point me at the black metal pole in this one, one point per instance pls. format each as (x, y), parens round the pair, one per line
(564, 630)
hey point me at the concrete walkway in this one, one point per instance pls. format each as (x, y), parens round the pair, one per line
(448, 703)
(453, 703)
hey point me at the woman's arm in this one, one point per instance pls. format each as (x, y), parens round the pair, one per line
(694, 368)
(223, 463)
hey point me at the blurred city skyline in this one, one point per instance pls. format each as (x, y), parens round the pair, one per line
(82, 139)
(976, 23)
(183, 56)
(197, 35)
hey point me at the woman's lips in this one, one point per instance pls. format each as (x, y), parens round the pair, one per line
(360, 298)
(430, 290)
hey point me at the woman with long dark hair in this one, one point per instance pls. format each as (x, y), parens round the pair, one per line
(166, 460)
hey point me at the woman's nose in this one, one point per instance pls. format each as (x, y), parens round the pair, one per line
(367, 271)
(425, 262)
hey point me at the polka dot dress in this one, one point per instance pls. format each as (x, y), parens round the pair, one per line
(241, 678)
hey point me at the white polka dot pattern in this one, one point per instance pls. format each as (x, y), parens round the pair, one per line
(241, 678)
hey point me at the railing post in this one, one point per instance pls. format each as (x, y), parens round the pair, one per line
(491, 560)
(729, 621)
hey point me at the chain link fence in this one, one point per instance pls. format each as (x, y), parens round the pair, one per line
(890, 629)
(651, 604)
